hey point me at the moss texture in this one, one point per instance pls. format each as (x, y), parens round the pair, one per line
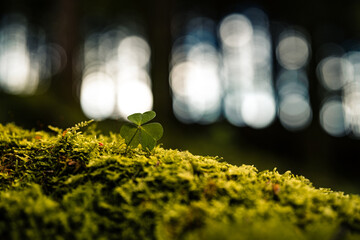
(67, 184)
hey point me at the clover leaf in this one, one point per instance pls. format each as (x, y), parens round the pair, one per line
(139, 131)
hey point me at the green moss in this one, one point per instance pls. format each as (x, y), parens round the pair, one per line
(73, 185)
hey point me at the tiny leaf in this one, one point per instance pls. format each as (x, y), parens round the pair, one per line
(148, 116)
(128, 132)
(141, 118)
(146, 140)
(155, 130)
(135, 118)
(136, 133)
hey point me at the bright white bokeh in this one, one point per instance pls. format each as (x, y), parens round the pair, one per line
(195, 74)
(124, 59)
(97, 97)
(133, 97)
(339, 73)
(27, 60)
(334, 72)
(197, 85)
(292, 85)
(258, 109)
(203, 53)
(19, 69)
(262, 47)
(238, 68)
(235, 30)
(332, 117)
(295, 112)
(236, 81)
(247, 68)
(14, 70)
(134, 50)
(196, 82)
(293, 50)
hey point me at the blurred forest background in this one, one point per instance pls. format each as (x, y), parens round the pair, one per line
(266, 83)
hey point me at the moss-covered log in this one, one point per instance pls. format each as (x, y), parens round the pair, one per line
(73, 185)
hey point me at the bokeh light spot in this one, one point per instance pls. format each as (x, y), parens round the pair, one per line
(135, 50)
(124, 58)
(232, 108)
(235, 30)
(334, 72)
(195, 74)
(258, 109)
(295, 112)
(27, 61)
(351, 105)
(332, 117)
(133, 96)
(293, 50)
(97, 96)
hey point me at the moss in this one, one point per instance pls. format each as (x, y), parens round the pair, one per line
(67, 184)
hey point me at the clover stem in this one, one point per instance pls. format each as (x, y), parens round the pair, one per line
(137, 129)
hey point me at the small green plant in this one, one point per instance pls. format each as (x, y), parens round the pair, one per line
(139, 131)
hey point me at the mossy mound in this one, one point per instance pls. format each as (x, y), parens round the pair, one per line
(73, 185)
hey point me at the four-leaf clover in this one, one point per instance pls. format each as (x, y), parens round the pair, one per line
(140, 132)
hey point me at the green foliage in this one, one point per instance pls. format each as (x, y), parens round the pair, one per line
(73, 185)
(140, 131)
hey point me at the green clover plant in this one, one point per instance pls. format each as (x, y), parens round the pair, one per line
(139, 131)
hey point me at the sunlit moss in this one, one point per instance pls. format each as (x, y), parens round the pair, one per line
(71, 185)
